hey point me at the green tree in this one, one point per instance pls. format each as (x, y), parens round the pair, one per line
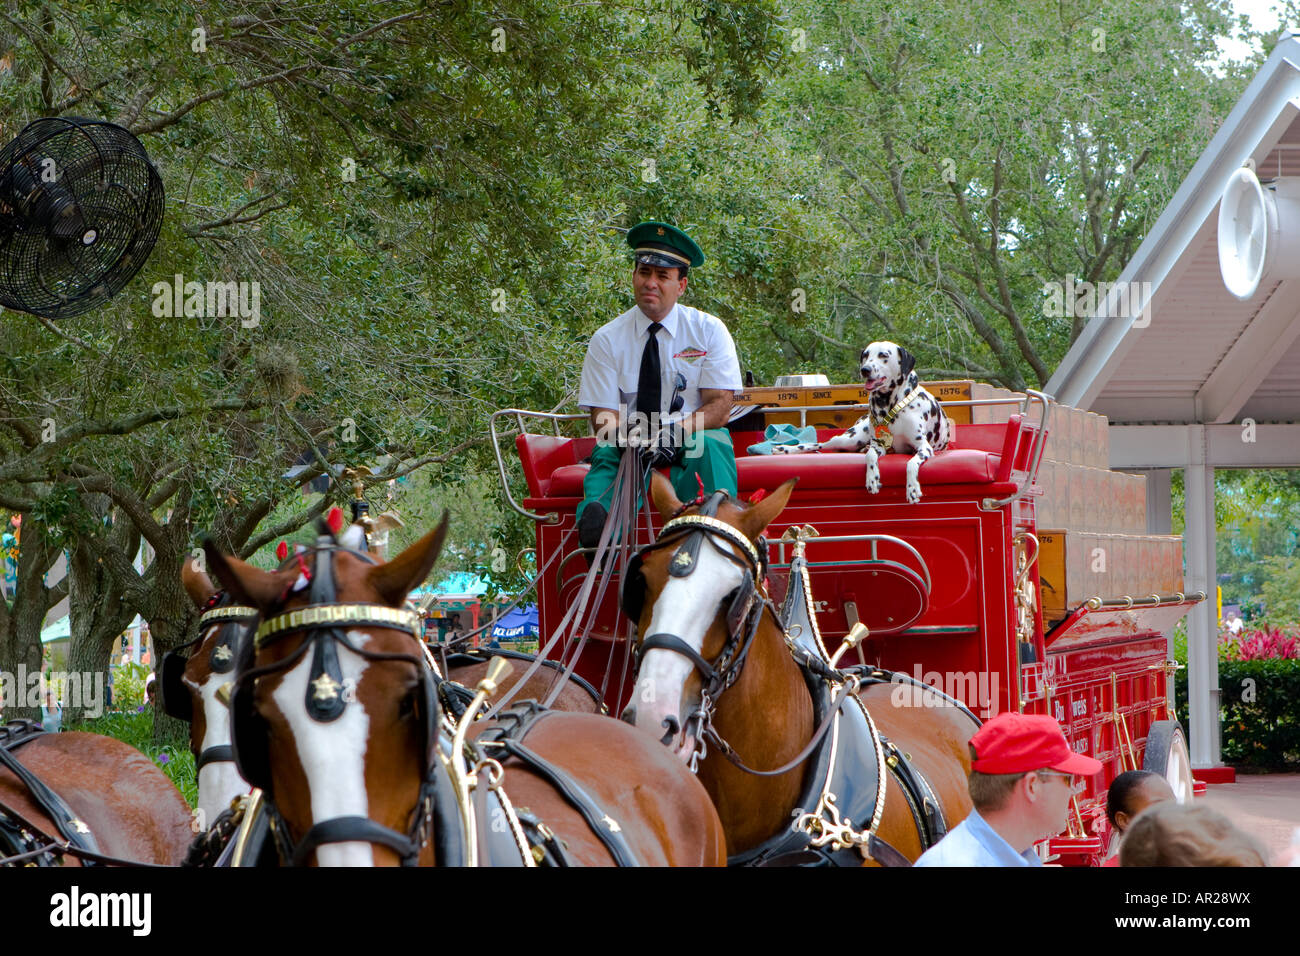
(979, 153)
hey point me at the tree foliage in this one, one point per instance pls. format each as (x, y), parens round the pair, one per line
(429, 196)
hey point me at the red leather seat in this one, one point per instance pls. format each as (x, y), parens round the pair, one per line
(553, 468)
(962, 466)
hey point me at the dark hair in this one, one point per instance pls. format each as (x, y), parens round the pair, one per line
(1171, 834)
(1119, 798)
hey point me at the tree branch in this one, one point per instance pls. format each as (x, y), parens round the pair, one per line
(235, 216)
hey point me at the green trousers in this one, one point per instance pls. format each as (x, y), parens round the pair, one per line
(709, 454)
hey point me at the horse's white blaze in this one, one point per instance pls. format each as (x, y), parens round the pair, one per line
(333, 755)
(686, 608)
(219, 782)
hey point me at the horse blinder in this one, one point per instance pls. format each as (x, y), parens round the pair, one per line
(175, 695)
(634, 590)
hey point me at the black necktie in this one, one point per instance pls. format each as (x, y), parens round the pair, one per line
(649, 395)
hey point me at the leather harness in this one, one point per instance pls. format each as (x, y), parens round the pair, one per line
(235, 621)
(845, 782)
(19, 837)
(438, 815)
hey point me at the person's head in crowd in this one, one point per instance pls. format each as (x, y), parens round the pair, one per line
(1171, 834)
(1023, 774)
(1132, 792)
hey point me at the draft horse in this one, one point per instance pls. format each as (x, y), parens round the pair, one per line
(730, 686)
(82, 799)
(336, 720)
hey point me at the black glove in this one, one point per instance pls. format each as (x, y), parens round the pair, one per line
(663, 449)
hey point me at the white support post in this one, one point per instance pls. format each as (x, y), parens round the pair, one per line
(1202, 627)
(1160, 501)
(1160, 520)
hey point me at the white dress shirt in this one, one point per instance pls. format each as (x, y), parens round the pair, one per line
(692, 343)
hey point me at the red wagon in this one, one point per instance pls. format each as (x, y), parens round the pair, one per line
(952, 589)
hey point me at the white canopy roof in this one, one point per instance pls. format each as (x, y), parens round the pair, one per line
(1198, 355)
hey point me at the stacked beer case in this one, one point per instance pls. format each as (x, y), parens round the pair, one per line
(1092, 524)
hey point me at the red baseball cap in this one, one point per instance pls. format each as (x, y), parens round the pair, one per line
(1018, 743)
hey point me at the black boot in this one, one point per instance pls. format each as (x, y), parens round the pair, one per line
(591, 524)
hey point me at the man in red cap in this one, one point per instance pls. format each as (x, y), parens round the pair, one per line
(1022, 776)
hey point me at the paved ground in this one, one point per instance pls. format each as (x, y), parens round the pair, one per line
(1266, 805)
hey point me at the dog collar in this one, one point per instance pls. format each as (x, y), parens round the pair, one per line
(888, 418)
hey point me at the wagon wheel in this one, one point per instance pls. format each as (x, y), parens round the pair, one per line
(1166, 754)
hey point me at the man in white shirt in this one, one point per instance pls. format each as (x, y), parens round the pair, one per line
(663, 371)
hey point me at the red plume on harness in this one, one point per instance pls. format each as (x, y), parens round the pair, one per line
(282, 550)
(335, 519)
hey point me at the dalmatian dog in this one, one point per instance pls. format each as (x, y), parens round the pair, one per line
(916, 422)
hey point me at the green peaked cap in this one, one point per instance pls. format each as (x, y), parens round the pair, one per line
(659, 244)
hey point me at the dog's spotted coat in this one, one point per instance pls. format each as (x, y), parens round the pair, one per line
(920, 428)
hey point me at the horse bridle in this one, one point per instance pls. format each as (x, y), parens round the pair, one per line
(322, 622)
(235, 621)
(745, 605)
(744, 615)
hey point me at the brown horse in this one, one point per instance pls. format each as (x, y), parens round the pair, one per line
(700, 629)
(576, 695)
(132, 810)
(190, 691)
(191, 685)
(336, 720)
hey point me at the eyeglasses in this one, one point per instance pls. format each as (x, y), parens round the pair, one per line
(1070, 779)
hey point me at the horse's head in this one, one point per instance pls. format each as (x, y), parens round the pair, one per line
(189, 689)
(334, 712)
(697, 597)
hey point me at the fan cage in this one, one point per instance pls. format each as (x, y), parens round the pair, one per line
(81, 206)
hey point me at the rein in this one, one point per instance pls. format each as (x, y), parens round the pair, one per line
(58, 847)
(730, 753)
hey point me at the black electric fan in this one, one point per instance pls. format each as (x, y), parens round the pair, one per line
(80, 209)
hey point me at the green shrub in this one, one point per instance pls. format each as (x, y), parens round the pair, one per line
(1259, 711)
(136, 729)
(128, 685)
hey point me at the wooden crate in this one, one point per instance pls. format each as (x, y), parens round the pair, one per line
(967, 390)
(770, 397)
(1077, 565)
(836, 395)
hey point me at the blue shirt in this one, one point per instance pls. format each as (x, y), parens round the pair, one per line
(974, 843)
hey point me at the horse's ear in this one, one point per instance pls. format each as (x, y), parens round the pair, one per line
(663, 496)
(755, 519)
(197, 584)
(245, 583)
(400, 576)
